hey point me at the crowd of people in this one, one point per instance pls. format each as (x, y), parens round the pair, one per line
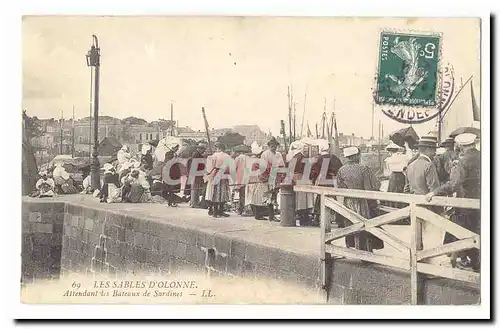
(453, 170)
(250, 180)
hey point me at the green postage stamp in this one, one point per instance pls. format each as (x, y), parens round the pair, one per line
(408, 69)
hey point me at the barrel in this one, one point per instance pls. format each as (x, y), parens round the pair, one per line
(287, 205)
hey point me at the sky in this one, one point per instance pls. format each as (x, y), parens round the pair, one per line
(238, 68)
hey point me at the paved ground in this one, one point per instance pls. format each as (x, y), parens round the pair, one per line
(303, 240)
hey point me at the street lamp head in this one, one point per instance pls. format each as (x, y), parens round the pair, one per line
(94, 54)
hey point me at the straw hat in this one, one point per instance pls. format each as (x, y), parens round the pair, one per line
(427, 141)
(465, 139)
(350, 151)
(448, 142)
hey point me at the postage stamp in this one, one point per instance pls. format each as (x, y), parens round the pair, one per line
(408, 69)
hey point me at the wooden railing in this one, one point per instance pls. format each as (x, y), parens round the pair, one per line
(412, 256)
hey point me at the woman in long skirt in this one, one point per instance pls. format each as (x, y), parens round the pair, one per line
(219, 181)
(208, 179)
(256, 191)
(394, 167)
(304, 202)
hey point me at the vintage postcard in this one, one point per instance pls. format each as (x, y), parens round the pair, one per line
(252, 160)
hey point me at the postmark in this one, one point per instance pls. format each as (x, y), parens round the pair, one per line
(408, 69)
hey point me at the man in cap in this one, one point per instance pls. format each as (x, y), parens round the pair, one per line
(466, 182)
(422, 173)
(445, 160)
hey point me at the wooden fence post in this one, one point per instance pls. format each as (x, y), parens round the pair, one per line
(324, 256)
(416, 245)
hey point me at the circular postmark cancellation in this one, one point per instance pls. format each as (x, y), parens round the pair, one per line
(410, 85)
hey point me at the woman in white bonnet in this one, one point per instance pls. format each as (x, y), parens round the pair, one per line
(394, 167)
(123, 155)
(304, 202)
(45, 186)
(110, 191)
(256, 191)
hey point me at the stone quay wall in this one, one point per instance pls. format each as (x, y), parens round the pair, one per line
(61, 237)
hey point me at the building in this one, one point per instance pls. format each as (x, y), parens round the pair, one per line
(197, 136)
(143, 133)
(56, 138)
(351, 140)
(109, 146)
(220, 132)
(108, 127)
(252, 134)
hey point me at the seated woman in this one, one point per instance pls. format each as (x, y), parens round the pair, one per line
(110, 191)
(45, 186)
(135, 187)
(87, 181)
(64, 183)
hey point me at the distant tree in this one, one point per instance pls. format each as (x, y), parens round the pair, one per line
(166, 124)
(190, 141)
(32, 126)
(134, 121)
(230, 139)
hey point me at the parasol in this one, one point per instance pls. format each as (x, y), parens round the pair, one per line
(466, 130)
(401, 136)
(71, 165)
(308, 141)
(167, 144)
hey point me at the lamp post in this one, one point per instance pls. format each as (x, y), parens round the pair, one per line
(94, 61)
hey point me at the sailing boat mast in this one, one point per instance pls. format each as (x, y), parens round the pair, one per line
(61, 133)
(73, 134)
(303, 115)
(323, 121)
(207, 129)
(289, 114)
(373, 119)
(294, 119)
(283, 132)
